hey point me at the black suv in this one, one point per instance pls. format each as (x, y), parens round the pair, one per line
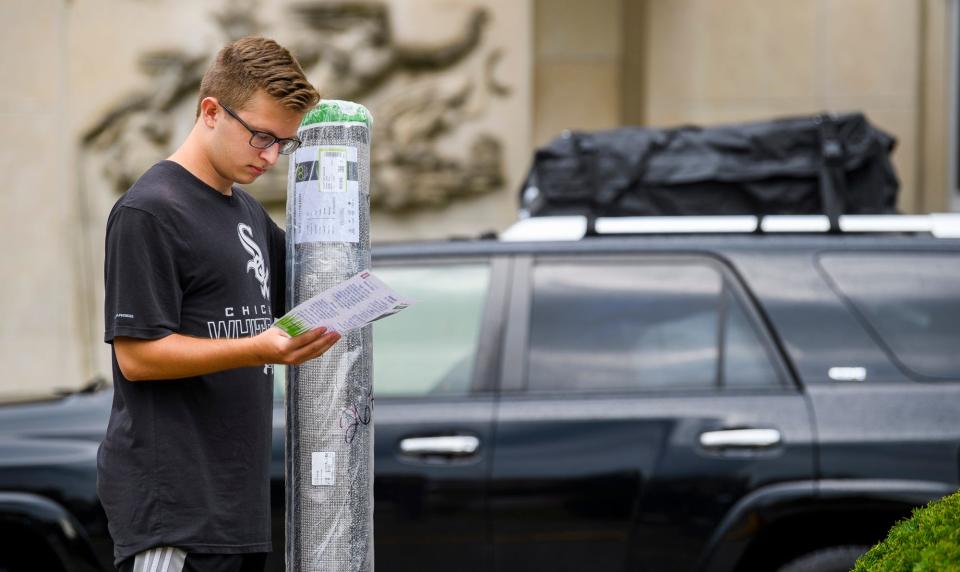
(722, 398)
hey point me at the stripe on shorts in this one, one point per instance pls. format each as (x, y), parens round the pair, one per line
(160, 559)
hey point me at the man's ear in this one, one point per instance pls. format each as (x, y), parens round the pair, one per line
(209, 111)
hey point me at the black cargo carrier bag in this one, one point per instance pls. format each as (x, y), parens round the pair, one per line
(823, 164)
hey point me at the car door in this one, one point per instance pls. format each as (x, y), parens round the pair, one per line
(641, 401)
(434, 369)
(907, 304)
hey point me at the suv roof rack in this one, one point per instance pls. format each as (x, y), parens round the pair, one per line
(558, 228)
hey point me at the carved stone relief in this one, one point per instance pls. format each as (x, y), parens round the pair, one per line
(421, 97)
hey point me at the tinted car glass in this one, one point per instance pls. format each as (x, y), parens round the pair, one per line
(746, 358)
(623, 326)
(429, 348)
(910, 301)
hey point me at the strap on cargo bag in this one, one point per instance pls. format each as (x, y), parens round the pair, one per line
(833, 182)
(596, 202)
(604, 200)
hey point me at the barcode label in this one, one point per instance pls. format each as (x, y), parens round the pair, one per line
(322, 468)
(333, 171)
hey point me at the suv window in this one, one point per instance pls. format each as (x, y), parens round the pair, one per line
(628, 326)
(746, 358)
(430, 348)
(910, 301)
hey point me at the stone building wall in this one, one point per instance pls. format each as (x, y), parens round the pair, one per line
(41, 329)
(667, 63)
(707, 62)
(94, 91)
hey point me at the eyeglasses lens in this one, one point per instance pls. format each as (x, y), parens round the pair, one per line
(262, 140)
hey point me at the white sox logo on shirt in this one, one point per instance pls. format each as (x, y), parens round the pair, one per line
(256, 263)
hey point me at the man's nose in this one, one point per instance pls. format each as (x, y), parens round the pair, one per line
(271, 154)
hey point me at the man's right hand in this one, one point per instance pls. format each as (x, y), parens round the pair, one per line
(275, 346)
(177, 356)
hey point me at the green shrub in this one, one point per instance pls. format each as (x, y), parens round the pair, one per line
(928, 541)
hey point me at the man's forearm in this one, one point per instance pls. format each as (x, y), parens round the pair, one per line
(177, 356)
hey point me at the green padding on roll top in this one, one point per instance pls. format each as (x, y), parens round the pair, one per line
(337, 111)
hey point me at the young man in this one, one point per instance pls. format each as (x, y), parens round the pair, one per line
(194, 276)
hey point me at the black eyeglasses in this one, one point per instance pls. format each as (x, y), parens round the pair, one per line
(264, 140)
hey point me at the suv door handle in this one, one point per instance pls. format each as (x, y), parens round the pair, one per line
(448, 445)
(740, 438)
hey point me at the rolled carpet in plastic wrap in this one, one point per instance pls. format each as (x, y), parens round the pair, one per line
(329, 455)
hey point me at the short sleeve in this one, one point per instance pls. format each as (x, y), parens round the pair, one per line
(141, 281)
(278, 268)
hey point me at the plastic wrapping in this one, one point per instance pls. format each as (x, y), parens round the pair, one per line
(329, 455)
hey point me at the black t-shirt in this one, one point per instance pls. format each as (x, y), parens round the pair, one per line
(186, 462)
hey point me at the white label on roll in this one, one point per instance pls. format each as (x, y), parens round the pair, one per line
(326, 194)
(322, 468)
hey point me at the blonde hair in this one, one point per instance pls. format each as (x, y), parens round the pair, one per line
(254, 63)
